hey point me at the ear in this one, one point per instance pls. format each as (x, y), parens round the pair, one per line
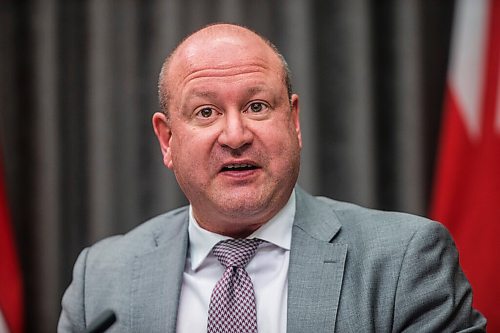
(164, 134)
(295, 117)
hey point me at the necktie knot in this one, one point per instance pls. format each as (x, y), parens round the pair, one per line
(236, 252)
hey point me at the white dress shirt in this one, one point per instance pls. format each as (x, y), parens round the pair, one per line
(268, 271)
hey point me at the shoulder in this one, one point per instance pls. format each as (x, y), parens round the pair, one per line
(368, 223)
(372, 237)
(363, 226)
(104, 272)
(400, 264)
(141, 239)
(391, 235)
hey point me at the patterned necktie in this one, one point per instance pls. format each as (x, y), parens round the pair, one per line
(232, 305)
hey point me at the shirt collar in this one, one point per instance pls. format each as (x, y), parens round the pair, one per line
(277, 231)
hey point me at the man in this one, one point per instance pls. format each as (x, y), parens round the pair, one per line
(230, 132)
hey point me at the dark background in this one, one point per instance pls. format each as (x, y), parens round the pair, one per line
(78, 88)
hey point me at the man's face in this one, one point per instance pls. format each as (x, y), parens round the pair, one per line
(233, 139)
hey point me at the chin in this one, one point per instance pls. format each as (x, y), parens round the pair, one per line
(242, 209)
(248, 205)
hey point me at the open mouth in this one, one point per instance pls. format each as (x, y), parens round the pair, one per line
(238, 167)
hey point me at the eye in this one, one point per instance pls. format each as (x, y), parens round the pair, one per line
(205, 112)
(257, 107)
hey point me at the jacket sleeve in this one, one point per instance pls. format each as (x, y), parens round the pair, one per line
(433, 294)
(72, 317)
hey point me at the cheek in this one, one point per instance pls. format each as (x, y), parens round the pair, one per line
(189, 151)
(282, 145)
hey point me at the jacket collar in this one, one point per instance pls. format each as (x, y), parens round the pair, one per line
(157, 276)
(316, 266)
(314, 279)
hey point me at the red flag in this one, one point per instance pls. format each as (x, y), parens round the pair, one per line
(11, 301)
(467, 185)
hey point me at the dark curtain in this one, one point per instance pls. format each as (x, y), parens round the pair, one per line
(78, 88)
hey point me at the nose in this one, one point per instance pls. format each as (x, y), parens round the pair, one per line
(235, 133)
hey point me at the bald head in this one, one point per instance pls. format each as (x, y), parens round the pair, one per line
(216, 39)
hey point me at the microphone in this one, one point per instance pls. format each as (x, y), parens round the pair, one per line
(102, 322)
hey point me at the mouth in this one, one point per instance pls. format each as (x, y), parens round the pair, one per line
(238, 167)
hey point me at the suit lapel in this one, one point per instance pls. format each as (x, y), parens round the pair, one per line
(157, 279)
(314, 279)
(316, 267)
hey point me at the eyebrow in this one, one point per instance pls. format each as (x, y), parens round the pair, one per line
(211, 94)
(204, 94)
(254, 90)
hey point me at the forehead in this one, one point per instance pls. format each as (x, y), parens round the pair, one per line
(225, 49)
(222, 54)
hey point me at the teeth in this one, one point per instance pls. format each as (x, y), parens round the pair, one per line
(236, 166)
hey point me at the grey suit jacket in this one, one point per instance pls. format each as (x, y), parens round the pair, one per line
(351, 270)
